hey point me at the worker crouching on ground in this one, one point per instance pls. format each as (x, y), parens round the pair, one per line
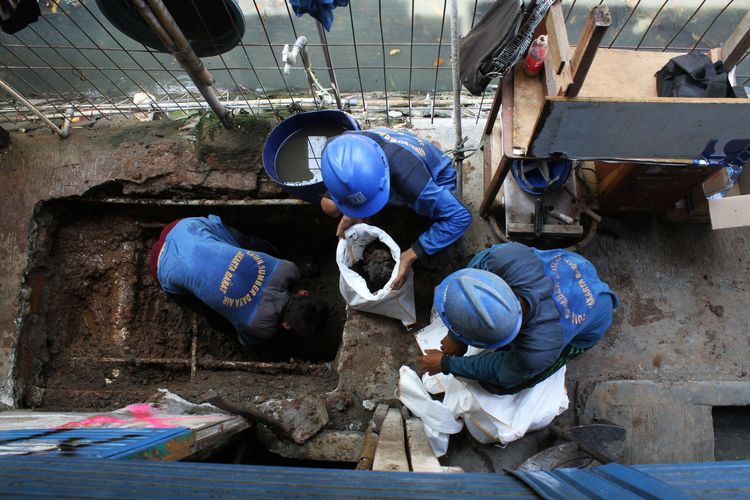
(532, 310)
(366, 170)
(235, 276)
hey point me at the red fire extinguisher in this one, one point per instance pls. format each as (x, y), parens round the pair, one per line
(535, 57)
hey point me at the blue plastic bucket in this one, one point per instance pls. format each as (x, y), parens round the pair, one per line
(312, 191)
(535, 178)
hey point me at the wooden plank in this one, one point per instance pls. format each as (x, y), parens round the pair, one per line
(594, 29)
(507, 113)
(639, 66)
(423, 459)
(619, 176)
(379, 416)
(737, 44)
(528, 102)
(390, 454)
(487, 161)
(498, 178)
(664, 128)
(548, 229)
(558, 52)
(496, 102)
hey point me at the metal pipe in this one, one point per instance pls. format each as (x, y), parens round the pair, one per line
(248, 366)
(176, 202)
(25, 102)
(329, 64)
(162, 23)
(455, 35)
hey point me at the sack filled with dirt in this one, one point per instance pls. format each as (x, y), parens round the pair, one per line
(368, 260)
(376, 265)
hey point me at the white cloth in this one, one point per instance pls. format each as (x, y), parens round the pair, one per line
(489, 418)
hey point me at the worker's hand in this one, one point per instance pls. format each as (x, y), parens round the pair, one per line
(407, 259)
(345, 223)
(450, 345)
(430, 362)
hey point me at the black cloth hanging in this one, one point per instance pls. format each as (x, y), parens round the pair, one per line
(485, 41)
(15, 15)
(694, 75)
(211, 26)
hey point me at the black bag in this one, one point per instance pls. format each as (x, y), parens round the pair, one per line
(485, 42)
(694, 75)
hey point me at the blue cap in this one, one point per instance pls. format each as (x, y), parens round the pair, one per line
(356, 173)
(479, 308)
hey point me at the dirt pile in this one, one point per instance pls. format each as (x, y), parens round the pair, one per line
(376, 265)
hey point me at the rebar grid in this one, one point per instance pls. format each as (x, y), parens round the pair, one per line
(63, 62)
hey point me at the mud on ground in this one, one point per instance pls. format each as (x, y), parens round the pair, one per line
(92, 297)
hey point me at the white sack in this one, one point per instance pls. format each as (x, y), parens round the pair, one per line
(437, 418)
(397, 304)
(489, 418)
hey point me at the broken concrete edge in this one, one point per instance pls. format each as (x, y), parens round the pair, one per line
(665, 422)
(327, 446)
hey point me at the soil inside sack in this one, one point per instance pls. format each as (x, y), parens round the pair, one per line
(376, 265)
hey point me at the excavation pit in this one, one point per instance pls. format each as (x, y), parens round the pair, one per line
(99, 332)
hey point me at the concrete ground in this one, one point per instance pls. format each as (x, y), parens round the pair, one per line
(682, 322)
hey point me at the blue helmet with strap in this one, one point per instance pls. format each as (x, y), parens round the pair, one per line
(356, 174)
(479, 308)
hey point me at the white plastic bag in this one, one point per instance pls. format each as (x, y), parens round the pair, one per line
(489, 418)
(397, 304)
(437, 419)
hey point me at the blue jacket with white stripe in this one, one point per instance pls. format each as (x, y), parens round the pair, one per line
(423, 178)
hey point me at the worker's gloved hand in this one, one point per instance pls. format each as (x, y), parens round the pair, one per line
(345, 223)
(407, 259)
(430, 362)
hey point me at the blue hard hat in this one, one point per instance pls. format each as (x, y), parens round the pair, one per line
(479, 308)
(356, 174)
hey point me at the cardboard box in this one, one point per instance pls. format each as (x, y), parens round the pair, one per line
(734, 209)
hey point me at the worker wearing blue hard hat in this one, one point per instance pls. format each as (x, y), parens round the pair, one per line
(530, 310)
(366, 170)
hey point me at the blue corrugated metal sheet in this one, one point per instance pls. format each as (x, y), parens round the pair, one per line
(85, 478)
(706, 479)
(85, 442)
(669, 481)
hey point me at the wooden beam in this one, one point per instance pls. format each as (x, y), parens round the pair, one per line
(371, 438)
(737, 44)
(496, 102)
(423, 459)
(558, 53)
(547, 229)
(501, 172)
(594, 29)
(390, 454)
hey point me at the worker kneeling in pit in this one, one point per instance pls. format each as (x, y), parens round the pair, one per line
(366, 170)
(531, 310)
(235, 276)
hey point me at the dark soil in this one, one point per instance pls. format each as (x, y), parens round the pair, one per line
(92, 297)
(376, 265)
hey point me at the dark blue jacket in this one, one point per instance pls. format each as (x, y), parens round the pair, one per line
(250, 289)
(568, 305)
(423, 178)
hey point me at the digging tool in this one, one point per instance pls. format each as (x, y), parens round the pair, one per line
(567, 436)
(250, 414)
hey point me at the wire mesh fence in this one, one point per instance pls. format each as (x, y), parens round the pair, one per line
(384, 54)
